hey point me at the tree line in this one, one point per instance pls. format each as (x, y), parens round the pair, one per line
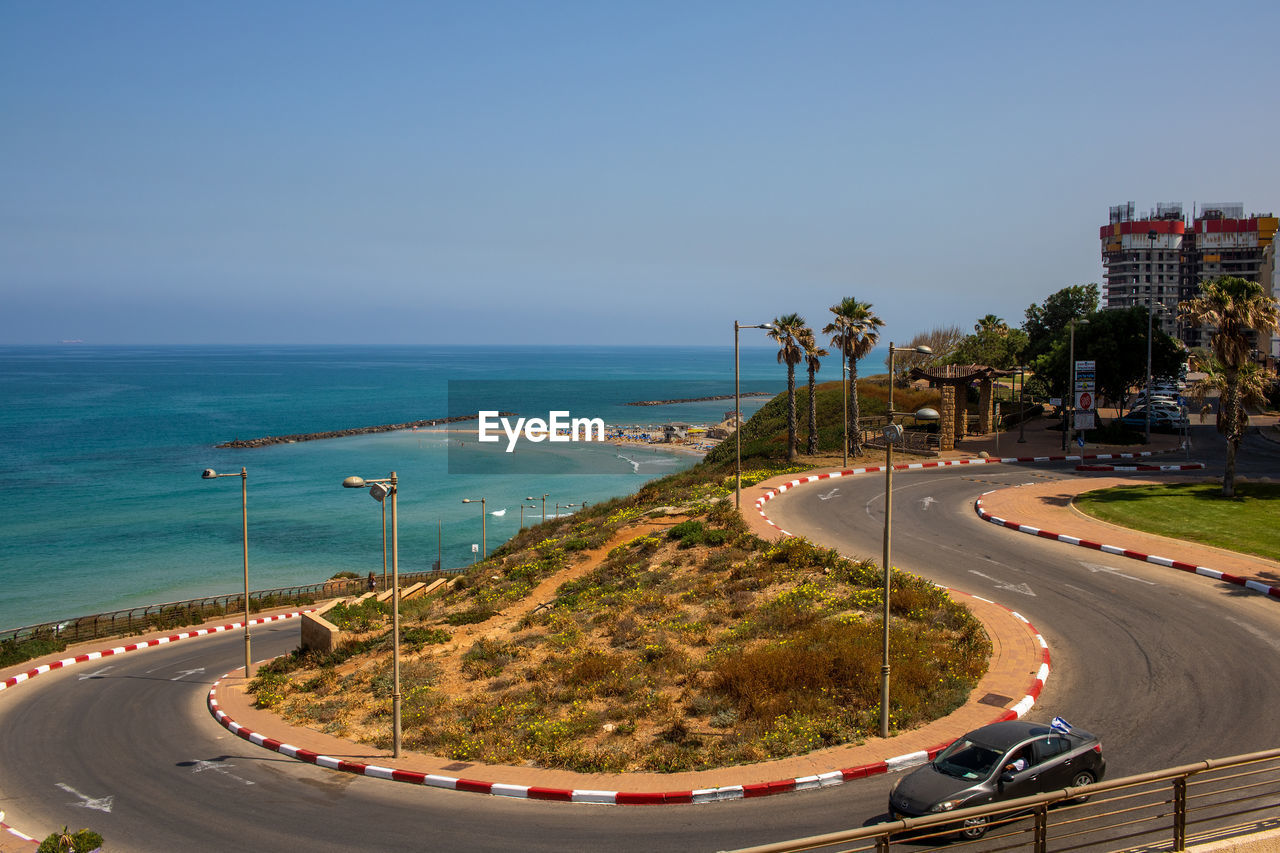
(1235, 309)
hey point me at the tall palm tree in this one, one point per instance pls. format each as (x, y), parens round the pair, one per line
(1233, 307)
(788, 330)
(854, 332)
(812, 355)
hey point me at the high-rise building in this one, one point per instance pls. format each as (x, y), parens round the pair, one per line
(1160, 258)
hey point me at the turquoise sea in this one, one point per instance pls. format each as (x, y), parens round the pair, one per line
(102, 505)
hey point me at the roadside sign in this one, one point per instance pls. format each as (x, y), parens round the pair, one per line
(1084, 401)
(1086, 366)
(1084, 420)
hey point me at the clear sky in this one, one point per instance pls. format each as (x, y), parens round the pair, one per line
(598, 171)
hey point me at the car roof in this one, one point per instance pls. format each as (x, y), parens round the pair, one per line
(1007, 733)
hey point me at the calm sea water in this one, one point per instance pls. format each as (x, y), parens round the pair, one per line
(102, 504)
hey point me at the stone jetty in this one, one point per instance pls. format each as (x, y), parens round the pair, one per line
(267, 441)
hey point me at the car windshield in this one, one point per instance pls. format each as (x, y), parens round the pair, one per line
(965, 759)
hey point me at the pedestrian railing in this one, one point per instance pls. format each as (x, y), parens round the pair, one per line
(173, 614)
(1163, 810)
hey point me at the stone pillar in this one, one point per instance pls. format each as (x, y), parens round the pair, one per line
(984, 407)
(961, 392)
(947, 418)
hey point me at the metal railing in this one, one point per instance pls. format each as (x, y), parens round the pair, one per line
(1157, 811)
(173, 614)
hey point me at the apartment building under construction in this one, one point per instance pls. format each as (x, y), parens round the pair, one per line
(1161, 258)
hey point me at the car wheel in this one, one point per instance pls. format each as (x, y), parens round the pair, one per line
(974, 828)
(1084, 777)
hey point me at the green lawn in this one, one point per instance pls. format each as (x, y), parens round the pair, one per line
(1249, 522)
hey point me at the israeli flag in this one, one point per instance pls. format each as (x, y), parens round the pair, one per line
(1060, 725)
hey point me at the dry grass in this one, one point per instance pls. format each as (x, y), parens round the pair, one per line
(624, 641)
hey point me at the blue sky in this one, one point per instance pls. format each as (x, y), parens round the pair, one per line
(596, 172)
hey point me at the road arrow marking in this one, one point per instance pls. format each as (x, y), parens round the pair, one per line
(97, 674)
(102, 804)
(927, 502)
(183, 673)
(829, 495)
(1095, 568)
(201, 765)
(1021, 589)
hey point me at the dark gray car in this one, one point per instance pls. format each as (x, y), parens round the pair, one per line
(1002, 761)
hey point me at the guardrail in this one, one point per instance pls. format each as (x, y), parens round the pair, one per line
(174, 614)
(1162, 810)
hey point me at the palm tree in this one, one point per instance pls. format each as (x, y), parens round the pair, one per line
(1233, 307)
(788, 330)
(812, 354)
(991, 323)
(854, 332)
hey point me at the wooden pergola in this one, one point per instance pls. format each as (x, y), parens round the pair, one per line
(952, 380)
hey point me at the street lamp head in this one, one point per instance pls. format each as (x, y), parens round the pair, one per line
(926, 414)
(924, 350)
(209, 474)
(352, 483)
(379, 491)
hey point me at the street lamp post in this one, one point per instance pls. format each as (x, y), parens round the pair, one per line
(1022, 404)
(892, 432)
(737, 408)
(1151, 237)
(523, 507)
(844, 408)
(565, 506)
(210, 474)
(1070, 408)
(484, 535)
(544, 504)
(379, 490)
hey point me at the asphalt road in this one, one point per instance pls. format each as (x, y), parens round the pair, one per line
(1167, 667)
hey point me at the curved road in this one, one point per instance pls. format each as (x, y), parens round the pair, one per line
(1164, 665)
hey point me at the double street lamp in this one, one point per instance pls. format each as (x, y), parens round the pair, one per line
(892, 433)
(379, 490)
(737, 408)
(484, 536)
(544, 504)
(210, 474)
(523, 507)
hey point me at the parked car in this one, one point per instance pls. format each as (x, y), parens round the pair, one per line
(1002, 761)
(1156, 398)
(1162, 420)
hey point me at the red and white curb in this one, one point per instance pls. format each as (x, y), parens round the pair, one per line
(626, 798)
(119, 650)
(911, 466)
(1189, 466)
(1256, 586)
(133, 647)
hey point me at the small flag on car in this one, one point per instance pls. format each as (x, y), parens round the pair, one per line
(1060, 725)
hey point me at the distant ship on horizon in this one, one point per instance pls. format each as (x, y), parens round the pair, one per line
(71, 341)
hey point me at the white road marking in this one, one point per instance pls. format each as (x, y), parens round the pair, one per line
(183, 673)
(102, 804)
(1021, 588)
(829, 495)
(201, 766)
(95, 674)
(927, 502)
(1096, 567)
